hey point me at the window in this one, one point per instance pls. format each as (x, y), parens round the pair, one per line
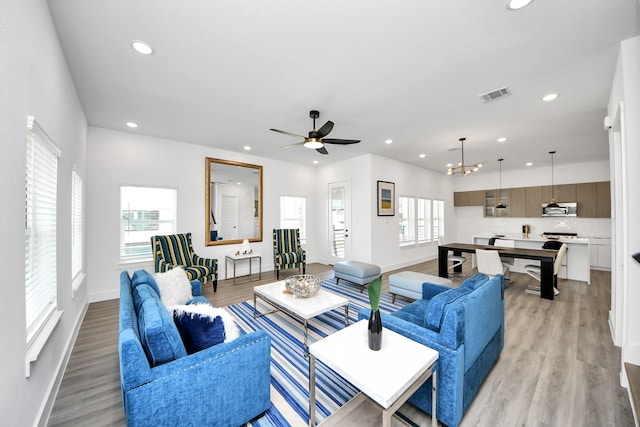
(293, 215)
(438, 219)
(424, 220)
(77, 254)
(145, 212)
(40, 216)
(406, 213)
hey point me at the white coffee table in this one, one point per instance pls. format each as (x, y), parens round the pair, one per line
(300, 308)
(386, 378)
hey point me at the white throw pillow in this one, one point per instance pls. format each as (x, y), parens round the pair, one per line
(175, 287)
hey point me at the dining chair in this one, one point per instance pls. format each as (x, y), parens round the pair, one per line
(535, 271)
(455, 260)
(489, 262)
(505, 243)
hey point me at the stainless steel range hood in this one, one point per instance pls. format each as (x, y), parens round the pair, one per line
(563, 209)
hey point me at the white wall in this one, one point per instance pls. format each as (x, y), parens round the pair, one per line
(120, 158)
(626, 293)
(34, 80)
(376, 239)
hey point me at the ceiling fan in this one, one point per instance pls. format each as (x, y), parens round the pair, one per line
(316, 138)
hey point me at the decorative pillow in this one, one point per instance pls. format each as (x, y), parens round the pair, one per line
(175, 287)
(202, 326)
(158, 334)
(475, 281)
(144, 277)
(435, 310)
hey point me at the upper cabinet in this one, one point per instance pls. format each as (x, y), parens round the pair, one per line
(593, 198)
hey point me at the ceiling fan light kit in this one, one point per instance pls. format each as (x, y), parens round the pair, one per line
(316, 138)
(462, 168)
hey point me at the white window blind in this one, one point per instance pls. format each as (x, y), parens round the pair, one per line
(40, 229)
(293, 215)
(424, 220)
(145, 212)
(438, 219)
(406, 214)
(77, 254)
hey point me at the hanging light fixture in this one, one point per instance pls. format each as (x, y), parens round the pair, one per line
(462, 168)
(553, 203)
(500, 205)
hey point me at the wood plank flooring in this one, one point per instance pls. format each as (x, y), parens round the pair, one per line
(558, 368)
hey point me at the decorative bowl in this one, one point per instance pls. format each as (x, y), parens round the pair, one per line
(303, 285)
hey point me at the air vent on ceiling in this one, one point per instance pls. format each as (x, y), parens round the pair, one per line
(495, 94)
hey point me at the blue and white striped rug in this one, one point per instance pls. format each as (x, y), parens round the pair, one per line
(289, 367)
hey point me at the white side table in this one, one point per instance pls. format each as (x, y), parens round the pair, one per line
(386, 378)
(236, 258)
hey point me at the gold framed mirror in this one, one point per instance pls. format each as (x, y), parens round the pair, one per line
(233, 202)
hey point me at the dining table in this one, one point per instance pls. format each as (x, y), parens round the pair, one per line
(546, 257)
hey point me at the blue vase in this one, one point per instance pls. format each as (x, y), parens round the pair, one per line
(375, 330)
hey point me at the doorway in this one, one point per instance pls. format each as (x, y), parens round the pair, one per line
(339, 219)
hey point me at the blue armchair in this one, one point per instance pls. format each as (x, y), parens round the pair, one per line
(466, 326)
(287, 251)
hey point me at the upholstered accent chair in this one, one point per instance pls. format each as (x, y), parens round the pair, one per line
(287, 251)
(176, 249)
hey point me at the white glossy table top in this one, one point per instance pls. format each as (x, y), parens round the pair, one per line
(306, 308)
(382, 375)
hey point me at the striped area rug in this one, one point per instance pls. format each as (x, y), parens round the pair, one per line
(289, 367)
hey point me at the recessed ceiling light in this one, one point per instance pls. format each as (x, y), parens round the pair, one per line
(315, 162)
(528, 164)
(502, 139)
(132, 124)
(247, 148)
(550, 97)
(388, 141)
(422, 156)
(517, 4)
(142, 47)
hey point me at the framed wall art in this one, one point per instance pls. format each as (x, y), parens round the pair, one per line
(386, 198)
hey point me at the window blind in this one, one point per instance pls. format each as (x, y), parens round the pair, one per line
(40, 228)
(76, 225)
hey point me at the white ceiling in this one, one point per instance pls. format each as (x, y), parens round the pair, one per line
(225, 72)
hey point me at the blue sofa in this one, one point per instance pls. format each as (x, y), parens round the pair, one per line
(466, 326)
(223, 385)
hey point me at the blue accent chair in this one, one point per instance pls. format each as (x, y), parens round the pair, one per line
(227, 384)
(176, 249)
(466, 326)
(287, 251)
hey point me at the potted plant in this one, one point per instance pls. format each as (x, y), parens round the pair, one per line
(375, 321)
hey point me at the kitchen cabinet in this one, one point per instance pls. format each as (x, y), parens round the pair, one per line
(491, 200)
(468, 198)
(533, 207)
(566, 193)
(587, 198)
(600, 254)
(518, 200)
(603, 199)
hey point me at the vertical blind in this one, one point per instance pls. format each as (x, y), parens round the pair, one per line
(40, 228)
(76, 225)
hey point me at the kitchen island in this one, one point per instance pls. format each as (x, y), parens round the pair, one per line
(575, 266)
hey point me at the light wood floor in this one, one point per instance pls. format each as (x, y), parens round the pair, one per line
(558, 368)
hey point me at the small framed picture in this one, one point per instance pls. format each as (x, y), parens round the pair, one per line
(386, 198)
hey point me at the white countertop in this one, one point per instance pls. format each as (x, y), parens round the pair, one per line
(533, 238)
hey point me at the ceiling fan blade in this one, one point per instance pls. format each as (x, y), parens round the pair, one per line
(322, 150)
(297, 144)
(340, 141)
(325, 129)
(288, 133)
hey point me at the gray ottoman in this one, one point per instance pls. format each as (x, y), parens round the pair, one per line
(356, 272)
(409, 284)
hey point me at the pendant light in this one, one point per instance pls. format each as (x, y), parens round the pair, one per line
(462, 168)
(553, 203)
(500, 205)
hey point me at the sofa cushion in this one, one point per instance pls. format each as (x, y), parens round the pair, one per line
(144, 277)
(437, 305)
(141, 293)
(475, 281)
(175, 287)
(159, 336)
(202, 326)
(413, 312)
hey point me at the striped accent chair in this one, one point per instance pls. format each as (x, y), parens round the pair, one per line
(287, 251)
(176, 249)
